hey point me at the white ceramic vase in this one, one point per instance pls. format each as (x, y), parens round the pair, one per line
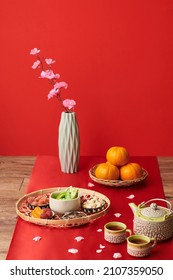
(69, 142)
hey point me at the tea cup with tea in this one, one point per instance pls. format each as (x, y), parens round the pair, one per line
(116, 232)
(140, 245)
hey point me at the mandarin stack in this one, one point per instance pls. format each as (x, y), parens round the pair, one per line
(118, 166)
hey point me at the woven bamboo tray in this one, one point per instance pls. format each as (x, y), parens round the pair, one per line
(117, 183)
(62, 222)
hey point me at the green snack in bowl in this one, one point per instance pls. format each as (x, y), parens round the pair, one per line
(69, 193)
(74, 193)
(54, 195)
(61, 195)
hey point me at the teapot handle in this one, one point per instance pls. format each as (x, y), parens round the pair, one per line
(154, 199)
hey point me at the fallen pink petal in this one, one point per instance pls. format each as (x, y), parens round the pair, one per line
(99, 230)
(117, 255)
(117, 215)
(131, 196)
(99, 251)
(37, 238)
(79, 238)
(102, 246)
(90, 184)
(73, 251)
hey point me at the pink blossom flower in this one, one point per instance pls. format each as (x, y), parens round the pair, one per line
(36, 64)
(61, 85)
(34, 51)
(49, 61)
(53, 92)
(69, 103)
(48, 74)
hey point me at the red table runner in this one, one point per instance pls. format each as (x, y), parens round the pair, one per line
(55, 242)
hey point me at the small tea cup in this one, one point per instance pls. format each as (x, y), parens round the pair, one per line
(115, 232)
(140, 245)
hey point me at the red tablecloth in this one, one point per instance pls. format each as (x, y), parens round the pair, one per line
(55, 242)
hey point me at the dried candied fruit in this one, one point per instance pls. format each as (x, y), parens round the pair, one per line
(36, 213)
(46, 214)
(40, 200)
(42, 213)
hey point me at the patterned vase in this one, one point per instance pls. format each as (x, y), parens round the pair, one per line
(69, 142)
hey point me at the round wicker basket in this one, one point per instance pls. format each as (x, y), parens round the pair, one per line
(62, 222)
(117, 183)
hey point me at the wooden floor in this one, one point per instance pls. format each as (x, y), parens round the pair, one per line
(14, 176)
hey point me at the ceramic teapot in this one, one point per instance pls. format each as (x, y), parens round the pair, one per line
(152, 220)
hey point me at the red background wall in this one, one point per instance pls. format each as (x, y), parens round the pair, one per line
(116, 56)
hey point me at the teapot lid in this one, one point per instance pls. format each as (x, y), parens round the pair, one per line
(153, 211)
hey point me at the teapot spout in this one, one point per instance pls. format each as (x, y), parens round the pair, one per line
(133, 206)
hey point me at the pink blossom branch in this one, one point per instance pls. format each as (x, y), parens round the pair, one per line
(46, 66)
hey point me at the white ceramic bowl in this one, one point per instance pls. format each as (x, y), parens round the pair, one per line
(61, 205)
